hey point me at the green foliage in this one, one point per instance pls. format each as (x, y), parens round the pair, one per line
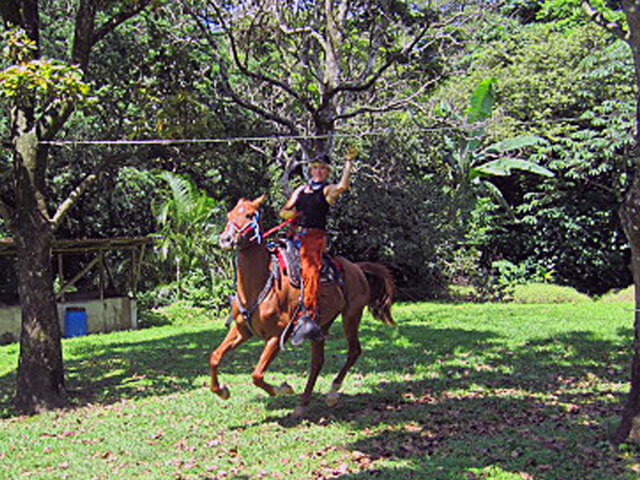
(48, 79)
(177, 313)
(619, 295)
(470, 162)
(189, 221)
(568, 13)
(397, 213)
(574, 87)
(186, 222)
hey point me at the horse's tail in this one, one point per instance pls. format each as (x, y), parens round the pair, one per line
(383, 290)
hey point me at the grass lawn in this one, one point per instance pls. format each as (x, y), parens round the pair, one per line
(456, 392)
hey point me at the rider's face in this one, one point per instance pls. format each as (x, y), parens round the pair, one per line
(319, 173)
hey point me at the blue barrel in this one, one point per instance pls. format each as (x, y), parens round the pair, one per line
(75, 322)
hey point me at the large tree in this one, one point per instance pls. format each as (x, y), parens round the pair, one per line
(308, 68)
(42, 94)
(622, 19)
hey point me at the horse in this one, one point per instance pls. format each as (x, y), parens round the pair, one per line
(266, 303)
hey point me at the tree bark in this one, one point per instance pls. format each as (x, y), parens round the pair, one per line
(40, 382)
(629, 426)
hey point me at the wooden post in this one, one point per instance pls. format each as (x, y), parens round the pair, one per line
(61, 276)
(101, 278)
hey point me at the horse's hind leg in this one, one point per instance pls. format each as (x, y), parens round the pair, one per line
(317, 360)
(350, 325)
(233, 339)
(271, 349)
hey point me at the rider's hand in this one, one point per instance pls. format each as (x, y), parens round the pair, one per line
(352, 153)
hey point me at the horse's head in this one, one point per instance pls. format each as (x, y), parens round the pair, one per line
(243, 224)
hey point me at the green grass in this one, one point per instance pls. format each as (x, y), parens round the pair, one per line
(456, 392)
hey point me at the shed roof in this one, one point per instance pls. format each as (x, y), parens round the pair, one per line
(82, 245)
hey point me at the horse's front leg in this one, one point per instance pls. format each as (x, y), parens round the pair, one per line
(270, 351)
(233, 339)
(317, 360)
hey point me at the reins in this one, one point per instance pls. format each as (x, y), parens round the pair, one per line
(278, 227)
(274, 273)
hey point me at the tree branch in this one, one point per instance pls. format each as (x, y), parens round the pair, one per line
(255, 75)
(82, 187)
(598, 18)
(110, 25)
(54, 116)
(86, 34)
(374, 77)
(288, 124)
(395, 105)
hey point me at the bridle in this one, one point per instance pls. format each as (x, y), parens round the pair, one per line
(252, 227)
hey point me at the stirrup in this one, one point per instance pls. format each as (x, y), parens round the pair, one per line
(306, 328)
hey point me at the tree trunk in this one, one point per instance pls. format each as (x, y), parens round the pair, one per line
(630, 216)
(40, 382)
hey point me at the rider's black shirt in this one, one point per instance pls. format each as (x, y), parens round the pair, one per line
(313, 208)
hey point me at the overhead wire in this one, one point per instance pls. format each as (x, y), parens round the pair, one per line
(185, 141)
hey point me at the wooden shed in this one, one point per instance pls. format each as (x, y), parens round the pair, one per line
(110, 305)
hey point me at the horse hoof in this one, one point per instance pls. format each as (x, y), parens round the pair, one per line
(284, 389)
(332, 399)
(223, 393)
(298, 411)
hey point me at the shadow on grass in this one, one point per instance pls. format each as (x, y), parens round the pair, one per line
(517, 409)
(437, 433)
(528, 412)
(103, 369)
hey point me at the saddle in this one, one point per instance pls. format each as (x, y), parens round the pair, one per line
(287, 252)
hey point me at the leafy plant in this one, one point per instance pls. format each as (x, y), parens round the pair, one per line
(188, 221)
(472, 164)
(47, 78)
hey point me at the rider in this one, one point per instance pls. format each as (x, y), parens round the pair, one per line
(311, 202)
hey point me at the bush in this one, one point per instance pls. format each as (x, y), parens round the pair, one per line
(547, 293)
(196, 290)
(179, 313)
(619, 295)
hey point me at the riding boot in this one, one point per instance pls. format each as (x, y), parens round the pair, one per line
(306, 328)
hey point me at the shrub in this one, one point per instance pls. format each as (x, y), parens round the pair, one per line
(547, 293)
(619, 295)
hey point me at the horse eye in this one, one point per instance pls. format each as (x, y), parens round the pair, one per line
(249, 216)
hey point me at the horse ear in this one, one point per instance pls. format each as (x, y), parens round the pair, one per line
(258, 201)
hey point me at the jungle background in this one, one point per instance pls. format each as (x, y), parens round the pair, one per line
(424, 200)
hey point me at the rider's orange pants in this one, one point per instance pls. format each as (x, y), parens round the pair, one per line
(312, 244)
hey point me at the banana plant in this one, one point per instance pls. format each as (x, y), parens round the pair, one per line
(473, 164)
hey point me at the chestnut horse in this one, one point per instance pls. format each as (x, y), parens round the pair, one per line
(266, 303)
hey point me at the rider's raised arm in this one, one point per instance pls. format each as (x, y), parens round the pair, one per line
(333, 191)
